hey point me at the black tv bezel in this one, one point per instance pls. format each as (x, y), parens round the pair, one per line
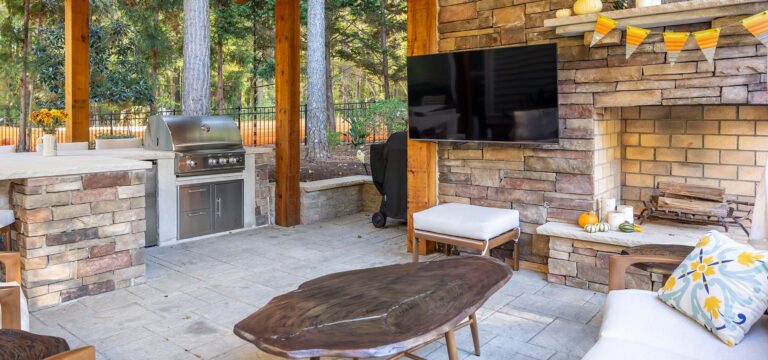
(557, 141)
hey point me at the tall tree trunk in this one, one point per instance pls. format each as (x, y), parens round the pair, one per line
(24, 96)
(196, 97)
(220, 75)
(317, 117)
(153, 70)
(329, 78)
(384, 39)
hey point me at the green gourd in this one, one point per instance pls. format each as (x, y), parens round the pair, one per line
(627, 227)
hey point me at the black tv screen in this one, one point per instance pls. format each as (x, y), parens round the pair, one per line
(505, 94)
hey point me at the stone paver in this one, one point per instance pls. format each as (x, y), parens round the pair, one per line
(195, 293)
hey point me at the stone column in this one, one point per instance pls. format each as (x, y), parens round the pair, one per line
(79, 235)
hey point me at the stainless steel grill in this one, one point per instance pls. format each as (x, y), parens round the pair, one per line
(203, 144)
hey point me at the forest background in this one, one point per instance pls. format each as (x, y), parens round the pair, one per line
(136, 54)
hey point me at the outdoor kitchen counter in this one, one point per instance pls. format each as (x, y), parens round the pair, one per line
(33, 165)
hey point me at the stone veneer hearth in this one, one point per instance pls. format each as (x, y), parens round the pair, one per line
(79, 235)
(710, 117)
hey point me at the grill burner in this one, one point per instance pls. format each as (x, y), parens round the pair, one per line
(203, 144)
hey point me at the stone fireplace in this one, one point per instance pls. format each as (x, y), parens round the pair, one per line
(625, 125)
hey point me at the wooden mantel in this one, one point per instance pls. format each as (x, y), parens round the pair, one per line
(687, 12)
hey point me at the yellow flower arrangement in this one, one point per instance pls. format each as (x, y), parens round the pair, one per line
(49, 120)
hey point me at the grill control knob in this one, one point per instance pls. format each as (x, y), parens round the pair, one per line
(213, 162)
(191, 163)
(223, 161)
(234, 160)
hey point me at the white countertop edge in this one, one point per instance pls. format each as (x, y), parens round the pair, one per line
(25, 167)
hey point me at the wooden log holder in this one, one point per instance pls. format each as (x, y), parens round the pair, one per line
(695, 204)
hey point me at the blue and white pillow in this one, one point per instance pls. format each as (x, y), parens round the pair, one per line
(722, 284)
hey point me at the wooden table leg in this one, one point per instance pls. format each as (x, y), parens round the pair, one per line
(450, 343)
(415, 249)
(475, 332)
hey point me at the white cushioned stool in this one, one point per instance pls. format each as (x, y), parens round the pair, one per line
(471, 226)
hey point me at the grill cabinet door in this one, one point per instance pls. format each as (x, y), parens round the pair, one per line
(228, 206)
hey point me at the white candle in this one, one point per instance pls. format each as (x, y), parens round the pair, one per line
(628, 211)
(607, 206)
(615, 219)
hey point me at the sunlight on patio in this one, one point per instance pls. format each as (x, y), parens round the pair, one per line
(196, 292)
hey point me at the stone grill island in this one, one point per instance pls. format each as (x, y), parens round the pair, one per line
(81, 217)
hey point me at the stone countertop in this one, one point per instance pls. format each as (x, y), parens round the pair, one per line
(34, 165)
(654, 233)
(319, 185)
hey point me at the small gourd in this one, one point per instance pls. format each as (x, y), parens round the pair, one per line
(603, 227)
(563, 13)
(588, 219)
(581, 7)
(627, 227)
(591, 228)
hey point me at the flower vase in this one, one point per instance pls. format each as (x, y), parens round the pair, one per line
(49, 144)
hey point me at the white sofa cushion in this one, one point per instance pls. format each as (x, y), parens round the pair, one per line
(637, 316)
(615, 349)
(469, 221)
(6, 218)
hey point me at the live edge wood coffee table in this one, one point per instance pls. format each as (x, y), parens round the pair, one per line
(385, 311)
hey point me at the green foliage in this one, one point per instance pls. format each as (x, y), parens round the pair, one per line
(390, 113)
(361, 125)
(114, 136)
(334, 138)
(118, 75)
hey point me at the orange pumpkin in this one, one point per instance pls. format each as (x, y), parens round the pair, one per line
(588, 219)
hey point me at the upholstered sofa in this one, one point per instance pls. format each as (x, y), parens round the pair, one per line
(637, 326)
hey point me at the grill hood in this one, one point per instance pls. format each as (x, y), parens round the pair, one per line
(192, 133)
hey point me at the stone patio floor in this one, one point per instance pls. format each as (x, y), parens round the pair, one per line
(195, 293)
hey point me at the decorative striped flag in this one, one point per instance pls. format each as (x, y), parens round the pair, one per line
(635, 37)
(707, 41)
(603, 26)
(758, 25)
(675, 41)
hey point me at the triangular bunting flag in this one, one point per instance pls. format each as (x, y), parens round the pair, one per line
(758, 25)
(707, 41)
(635, 37)
(603, 26)
(675, 41)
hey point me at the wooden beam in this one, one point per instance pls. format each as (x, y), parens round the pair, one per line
(422, 156)
(287, 98)
(76, 69)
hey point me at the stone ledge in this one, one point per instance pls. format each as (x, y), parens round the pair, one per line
(654, 233)
(679, 13)
(320, 185)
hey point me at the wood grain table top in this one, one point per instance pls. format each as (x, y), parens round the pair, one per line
(374, 312)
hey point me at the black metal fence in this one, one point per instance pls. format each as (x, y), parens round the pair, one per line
(257, 124)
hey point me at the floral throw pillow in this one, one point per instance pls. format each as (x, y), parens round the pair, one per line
(722, 284)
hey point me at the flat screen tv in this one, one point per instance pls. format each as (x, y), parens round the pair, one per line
(505, 94)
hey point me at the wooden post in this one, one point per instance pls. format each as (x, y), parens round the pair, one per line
(422, 156)
(287, 103)
(76, 69)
